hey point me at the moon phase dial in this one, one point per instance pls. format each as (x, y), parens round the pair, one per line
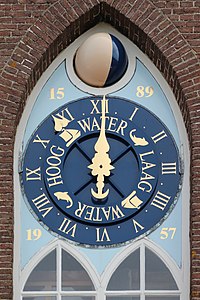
(101, 171)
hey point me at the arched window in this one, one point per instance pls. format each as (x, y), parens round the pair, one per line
(127, 275)
(143, 274)
(58, 275)
(43, 276)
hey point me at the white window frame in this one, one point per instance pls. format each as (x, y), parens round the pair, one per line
(100, 282)
(144, 243)
(59, 245)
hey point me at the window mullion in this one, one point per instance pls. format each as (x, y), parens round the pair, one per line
(59, 271)
(124, 292)
(39, 293)
(142, 271)
(162, 293)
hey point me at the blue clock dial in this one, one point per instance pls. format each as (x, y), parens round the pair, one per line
(101, 171)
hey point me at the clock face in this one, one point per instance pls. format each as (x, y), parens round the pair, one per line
(101, 171)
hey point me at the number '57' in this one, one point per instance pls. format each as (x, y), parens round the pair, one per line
(167, 232)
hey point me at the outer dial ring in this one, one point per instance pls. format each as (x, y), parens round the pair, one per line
(52, 156)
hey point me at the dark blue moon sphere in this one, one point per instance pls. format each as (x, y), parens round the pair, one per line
(101, 60)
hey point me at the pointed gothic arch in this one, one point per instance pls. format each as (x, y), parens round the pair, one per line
(38, 281)
(28, 111)
(114, 265)
(143, 23)
(53, 256)
(132, 22)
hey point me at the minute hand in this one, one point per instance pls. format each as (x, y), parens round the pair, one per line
(101, 161)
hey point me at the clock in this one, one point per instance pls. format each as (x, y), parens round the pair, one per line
(101, 171)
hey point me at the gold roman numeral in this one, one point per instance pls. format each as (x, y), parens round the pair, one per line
(168, 168)
(159, 136)
(133, 114)
(42, 204)
(137, 226)
(102, 235)
(67, 227)
(95, 108)
(39, 140)
(33, 174)
(160, 200)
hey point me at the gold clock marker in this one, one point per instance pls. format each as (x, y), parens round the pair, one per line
(101, 162)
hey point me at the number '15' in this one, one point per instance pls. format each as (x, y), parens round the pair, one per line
(57, 93)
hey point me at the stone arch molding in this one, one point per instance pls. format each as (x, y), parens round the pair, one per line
(63, 21)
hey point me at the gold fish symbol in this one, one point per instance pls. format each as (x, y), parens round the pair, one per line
(137, 140)
(65, 197)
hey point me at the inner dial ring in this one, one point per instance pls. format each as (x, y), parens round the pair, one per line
(123, 201)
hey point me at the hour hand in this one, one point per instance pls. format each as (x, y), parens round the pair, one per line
(100, 167)
(101, 162)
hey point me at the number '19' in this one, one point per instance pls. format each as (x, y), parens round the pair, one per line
(33, 234)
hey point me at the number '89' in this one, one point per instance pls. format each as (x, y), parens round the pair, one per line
(144, 91)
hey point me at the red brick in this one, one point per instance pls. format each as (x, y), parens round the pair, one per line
(28, 27)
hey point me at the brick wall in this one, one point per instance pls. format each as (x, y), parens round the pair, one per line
(33, 32)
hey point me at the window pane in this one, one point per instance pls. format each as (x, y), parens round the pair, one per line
(158, 276)
(162, 298)
(127, 275)
(39, 298)
(43, 277)
(78, 298)
(74, 277)
(122, 298)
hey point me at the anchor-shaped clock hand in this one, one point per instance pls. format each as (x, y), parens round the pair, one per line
(101, 162)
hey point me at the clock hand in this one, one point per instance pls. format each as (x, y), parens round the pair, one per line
(101, 162)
